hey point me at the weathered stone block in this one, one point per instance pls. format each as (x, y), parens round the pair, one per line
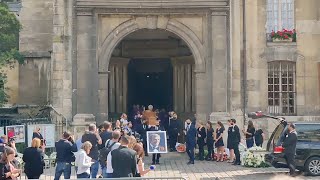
(253, 85)
(57, 84)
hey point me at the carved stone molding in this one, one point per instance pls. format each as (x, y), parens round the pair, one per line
(152, 3)
(281, 53)
(220, 11)
(161, 22)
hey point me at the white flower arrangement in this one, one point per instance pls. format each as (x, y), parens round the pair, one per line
(251, 159)
(19, 159)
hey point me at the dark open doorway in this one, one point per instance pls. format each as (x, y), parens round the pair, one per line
(150, 81)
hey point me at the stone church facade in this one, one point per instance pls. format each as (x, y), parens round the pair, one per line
(223, 63)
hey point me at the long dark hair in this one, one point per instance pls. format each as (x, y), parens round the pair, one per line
(250, 124)
(210, 125)
(220, 124)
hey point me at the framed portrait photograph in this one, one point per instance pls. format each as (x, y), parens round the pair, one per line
(157, 142)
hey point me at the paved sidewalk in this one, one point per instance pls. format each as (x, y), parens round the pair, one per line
(175, 165)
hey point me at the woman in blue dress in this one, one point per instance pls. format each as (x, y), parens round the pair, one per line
(219, 141)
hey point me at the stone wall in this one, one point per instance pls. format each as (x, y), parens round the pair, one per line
(34, 81)
(36, 18)
(308, 38)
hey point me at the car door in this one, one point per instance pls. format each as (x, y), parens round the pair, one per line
(275, 137)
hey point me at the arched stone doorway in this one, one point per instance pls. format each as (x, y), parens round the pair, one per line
(197, 71)
(151, 67)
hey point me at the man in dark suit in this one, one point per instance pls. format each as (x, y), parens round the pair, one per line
(156, 156)
(191, 133)
(124, 160)
(174, 129)
(289, 145)
(142, 130)
(235, 138)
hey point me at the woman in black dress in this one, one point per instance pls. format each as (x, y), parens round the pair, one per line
(219, 141)
(37, 134)
(229, 143)
(249, 134)
(201, 131)
(210, 137)
(258, 136)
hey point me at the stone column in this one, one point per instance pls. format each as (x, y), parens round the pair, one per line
(61, 66)
(220, 61)
(86, 65)
(103, 97)
(256, 66)
(118, 85)
(183, 86)
(80, 124)
(201, 95)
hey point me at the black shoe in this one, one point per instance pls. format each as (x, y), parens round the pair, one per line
(153, 163)
(293, 174)
(190, 162)
(236, 163)
(157, 163)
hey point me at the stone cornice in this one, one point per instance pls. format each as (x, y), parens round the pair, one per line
(36, 54)
(220, 11)
(147, 11)
(151, 3)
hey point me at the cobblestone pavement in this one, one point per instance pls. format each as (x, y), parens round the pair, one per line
(175, 165)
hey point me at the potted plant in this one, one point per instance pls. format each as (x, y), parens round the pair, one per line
(284, 36)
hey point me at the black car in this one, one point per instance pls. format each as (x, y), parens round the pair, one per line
(308, 147)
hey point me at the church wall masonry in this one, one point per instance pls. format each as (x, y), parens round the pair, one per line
(100, 29)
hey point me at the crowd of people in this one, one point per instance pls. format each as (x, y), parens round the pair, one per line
(119, 149)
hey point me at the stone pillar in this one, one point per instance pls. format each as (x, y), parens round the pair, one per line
(61, 66)
(103, 97)
(80, 124)
(235, 41)
(220, 64)
(256, 66)
(87, 70)
(183, 87)
(201, 96)
(118, 85)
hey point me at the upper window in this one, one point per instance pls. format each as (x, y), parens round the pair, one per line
(281, 88)
(280, 15)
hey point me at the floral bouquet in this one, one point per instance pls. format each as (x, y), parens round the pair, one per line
(19, 159)
(286, 35)
(251, 159)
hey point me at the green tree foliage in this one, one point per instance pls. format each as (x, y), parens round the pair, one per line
(9, 43)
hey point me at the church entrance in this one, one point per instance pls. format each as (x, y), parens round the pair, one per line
(151, 67)
(150, 82)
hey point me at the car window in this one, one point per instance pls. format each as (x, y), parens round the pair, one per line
(275, 136)
(308, 132)
(282, 136)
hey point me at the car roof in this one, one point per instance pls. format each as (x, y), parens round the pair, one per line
(297, 123)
